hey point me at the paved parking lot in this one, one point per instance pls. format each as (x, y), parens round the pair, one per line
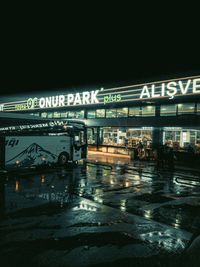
(109, 211)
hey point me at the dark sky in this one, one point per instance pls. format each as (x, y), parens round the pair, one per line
(36, 74)
(43, 49)
(35, 64)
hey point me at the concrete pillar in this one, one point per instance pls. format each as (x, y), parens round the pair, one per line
(157, 138)
(98, 138)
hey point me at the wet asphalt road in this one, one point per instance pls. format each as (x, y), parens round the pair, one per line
(96, 214)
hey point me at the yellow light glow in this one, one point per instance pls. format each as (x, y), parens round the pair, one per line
(17, 185)
(42, 178)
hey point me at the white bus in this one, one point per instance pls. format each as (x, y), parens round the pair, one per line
(36, 147)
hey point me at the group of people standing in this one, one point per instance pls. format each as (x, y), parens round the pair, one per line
(141, 152)
(165, 156)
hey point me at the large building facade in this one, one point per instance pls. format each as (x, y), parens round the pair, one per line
(119, 117)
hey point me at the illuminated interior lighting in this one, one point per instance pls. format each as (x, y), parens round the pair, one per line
(17, 185)
(42, 178)
(112, 181)
(148, 214)
(126, 184)
(122, 208)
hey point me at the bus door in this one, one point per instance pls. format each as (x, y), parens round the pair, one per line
(80, 145)
(77, 146)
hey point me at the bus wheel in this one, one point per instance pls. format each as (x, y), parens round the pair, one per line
(63, 158)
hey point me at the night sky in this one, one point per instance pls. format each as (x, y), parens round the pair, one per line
(45, 50)
(34, 65)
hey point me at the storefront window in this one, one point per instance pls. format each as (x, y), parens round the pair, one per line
(192, 138)
(172, 138)
(136, 135)
(56, 114)
(92, 136)
(106, 140)
(168, 110)
(123, 137)
(187, 108)
(100, 113)
(91, 114)
(148, 111)
(112, 136)
(180, 138)
(122, 112)
(135, 111)
(111, 113)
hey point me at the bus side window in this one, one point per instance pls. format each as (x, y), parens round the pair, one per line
(76, 138)
(82, 137)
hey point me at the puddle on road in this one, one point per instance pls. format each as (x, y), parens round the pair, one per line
(153, 198)
(126, 188)
(180, 216)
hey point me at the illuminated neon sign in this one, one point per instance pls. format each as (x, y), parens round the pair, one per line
(171, 89)
(142, 92)
(111, 98)
(85, 98)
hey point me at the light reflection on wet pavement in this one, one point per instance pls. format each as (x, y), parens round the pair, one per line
(98, 214)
